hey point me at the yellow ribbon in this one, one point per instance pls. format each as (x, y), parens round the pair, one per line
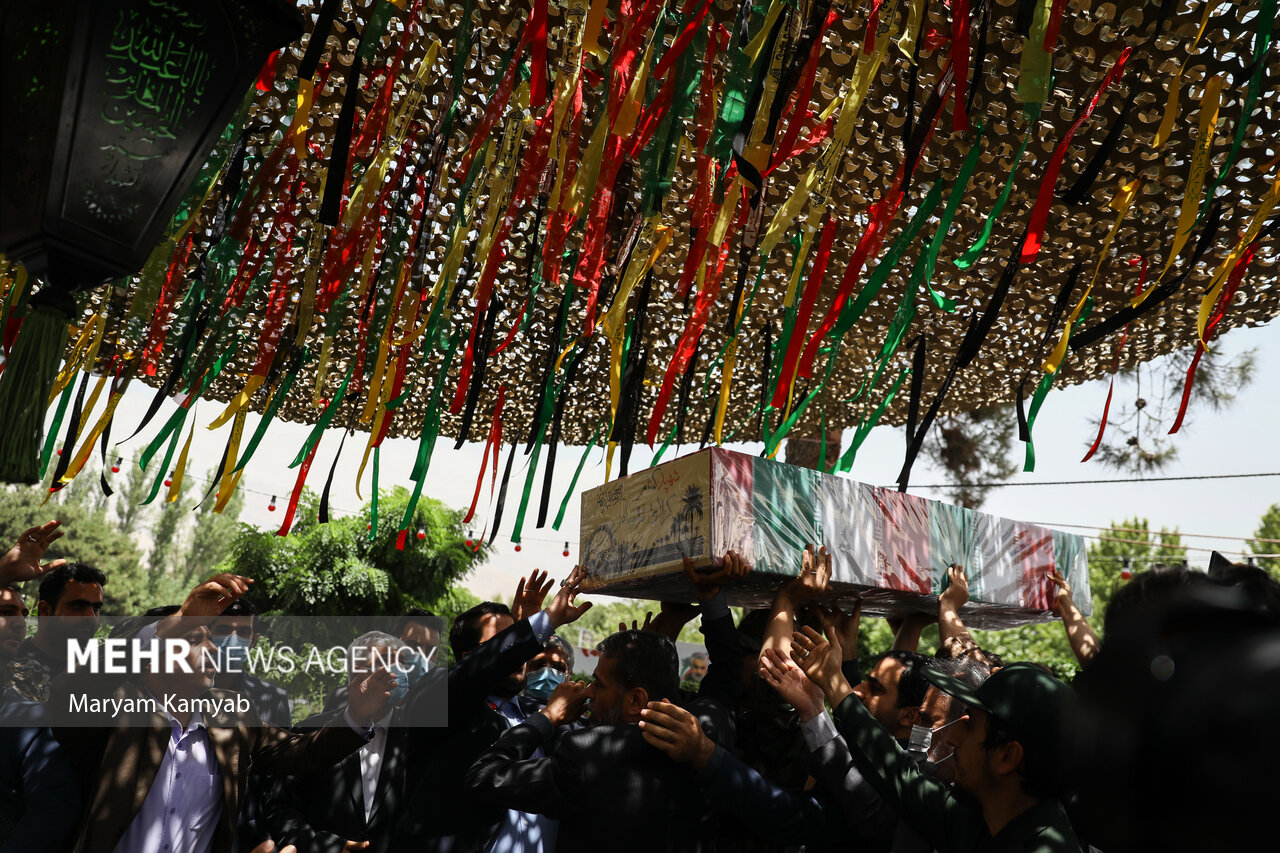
(652, 241)
(322, 369)
(907, 41)
(77, 357)
(237, 403)
(87, 446)
(1175, 85)
(180, 470)
(230, 477)
(1120, 202)
(1220, 277)
(1195, 178)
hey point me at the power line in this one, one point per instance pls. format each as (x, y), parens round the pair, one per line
(1109, 529)
(1001, 485)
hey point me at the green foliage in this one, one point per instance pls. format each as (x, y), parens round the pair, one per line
(1268, 528)
(334, 568)
(1133, 542)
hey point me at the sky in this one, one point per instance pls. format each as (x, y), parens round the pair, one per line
(1237, 440)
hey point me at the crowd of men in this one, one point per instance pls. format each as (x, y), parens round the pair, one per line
(792, 740)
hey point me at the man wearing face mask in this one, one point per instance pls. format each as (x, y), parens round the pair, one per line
(355, 804)
(234, 632)
(547, 671)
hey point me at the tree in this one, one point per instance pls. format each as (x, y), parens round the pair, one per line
(1268, 540)
(1136, 438)
(211, 535)
(166, 537)
(336, 569)
(972, 448)
(1128, 544)
(90, 538)
(130, 510)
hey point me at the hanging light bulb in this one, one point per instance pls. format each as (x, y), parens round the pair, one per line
(519, 547)
(168, 481)
(422, 533)
(115, 469)
(1125, 573)
(470, 544)
(271, 507)
(566, 549)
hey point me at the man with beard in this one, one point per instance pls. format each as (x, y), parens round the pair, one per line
(605, 779)
(69, 608)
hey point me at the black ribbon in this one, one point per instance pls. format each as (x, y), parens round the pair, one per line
(502, 492)
(337, 171)
(686, 388)
(1060, 304)
(981, 56)
(557, 421)
(1024, 429)
(979, 330)
(323, 515)
(917, 442)
(73, 426)
(917, 385)
(319, 36)
(1077, 192)
(483, 345)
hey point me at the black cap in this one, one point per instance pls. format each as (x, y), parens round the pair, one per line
(1028, 700)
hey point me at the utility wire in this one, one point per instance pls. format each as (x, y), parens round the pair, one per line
(1001, 485)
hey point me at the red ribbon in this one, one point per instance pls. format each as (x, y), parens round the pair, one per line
(1044, 198)
(693, 326)
(287, 523)
(494, 443)
(960, 58)
(538, 55)
(1224, 300)
(164, 305)
(282, 272)
(799, 104)
(873, 24)
(1055, 22)
(790, 360)
(268, 73)
(700, 212)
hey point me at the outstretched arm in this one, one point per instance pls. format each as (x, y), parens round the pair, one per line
(951, 630)
(1084, 642)
(813, 580)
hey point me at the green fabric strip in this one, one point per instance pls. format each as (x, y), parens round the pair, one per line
(335, 403)
(55, 428)
(948, 214)
(864, 428)
(269, 413)
(1031, 114)
(573, 484)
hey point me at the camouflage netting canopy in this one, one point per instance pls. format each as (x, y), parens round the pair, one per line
(406, 85)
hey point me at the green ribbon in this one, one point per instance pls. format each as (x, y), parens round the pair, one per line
(948, 214)
(864, 428)
(1031, 113)
(373, 502)
(573, 484)
(55, 429)
(335, 402)
(850, 314)
(269, 413)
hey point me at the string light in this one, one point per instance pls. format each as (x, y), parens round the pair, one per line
(422, 533)
(566, 549)
(1125, 572)
(168, 481)
(519, 547)
(115, 469)
(271, 507)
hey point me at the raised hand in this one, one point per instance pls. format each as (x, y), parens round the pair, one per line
(22, 561)
(204, 603)
(957, 591)
(814, 578)
(671, 618)
(844, 627)
(819, 659)
(636, 626)
(530, 593)
(781, 673)
(677, 733)
(1064, 603)
(707, 582)
(562, 608)
(371, 697)
(566, 702)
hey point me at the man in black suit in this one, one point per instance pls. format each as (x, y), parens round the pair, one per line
(355, 804)
(491, 644)
(605, 779)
